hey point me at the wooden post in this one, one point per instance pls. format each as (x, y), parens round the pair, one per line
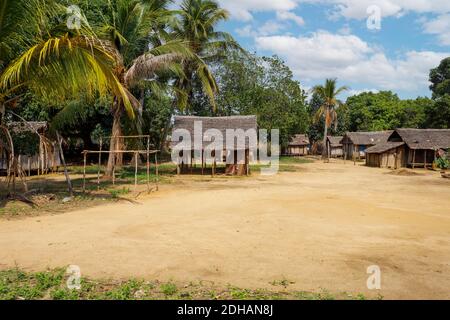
(425, 159)
(157, 171)
(414, 159)
(99, 163)
(84, 172)
(213, 168)
(66, 173)
(247, 161)
(136, 155)
(148, 164)
(114, 174)
(203, 161)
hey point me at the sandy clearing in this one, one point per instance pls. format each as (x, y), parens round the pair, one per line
(320, 227)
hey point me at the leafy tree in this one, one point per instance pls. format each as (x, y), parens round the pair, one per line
(196, 23)
(328, 93)
(440, 79)
(250, 85)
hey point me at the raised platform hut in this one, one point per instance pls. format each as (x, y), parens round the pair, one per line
(234, 156)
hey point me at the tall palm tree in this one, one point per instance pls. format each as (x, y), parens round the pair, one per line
(52, 63)
(197, 22)
(131, 25)
(328, 93)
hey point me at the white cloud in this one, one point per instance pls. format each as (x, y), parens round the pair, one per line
(324, 55)
(440, 27)
(241, 9)
(351, 9)
(357, 9)
(290, 16)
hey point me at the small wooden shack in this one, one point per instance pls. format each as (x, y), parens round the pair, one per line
(222, 124)
(334, 147)
(45, 156)
(298, 146)
(386, 155)
(421, 145)
(356, 143)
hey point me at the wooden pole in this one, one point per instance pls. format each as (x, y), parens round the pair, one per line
(203, 161)
(135, 170)
(99, 163)
(414, 159)
(425, 159)
(148, 164)
(66, 173)
(157, 171)
(84, 172)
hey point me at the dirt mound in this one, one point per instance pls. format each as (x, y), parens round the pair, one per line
(404, 173)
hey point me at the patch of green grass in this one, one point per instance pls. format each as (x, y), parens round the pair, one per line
(168, 289)
(116, 193)
(52, 284)
(125, 291)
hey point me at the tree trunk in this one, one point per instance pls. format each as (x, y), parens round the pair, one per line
(66, 173)
(116, 142)
(325, 135)
(2, 113)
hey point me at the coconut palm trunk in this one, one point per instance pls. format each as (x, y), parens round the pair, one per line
(325, 135)
(116, 141)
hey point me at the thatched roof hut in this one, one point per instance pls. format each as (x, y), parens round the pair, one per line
(231, 156)
(220, 123)
(421, 145)
(356, 143)
(334, 146)
(430, 139)
(298, 145)
(32, 150)
(29, 126)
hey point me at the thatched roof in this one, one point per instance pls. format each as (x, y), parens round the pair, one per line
(299, 140)
(220, 123)
(384, 146)
(21, 126)
(430, 139)
(335, 141)
(366, 138)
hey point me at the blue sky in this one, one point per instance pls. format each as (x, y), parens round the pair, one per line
(330, 38)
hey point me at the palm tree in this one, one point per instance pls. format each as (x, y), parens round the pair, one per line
(54, 64)
(197, 21)
(136, 29)
(57, 64)
(328, 93)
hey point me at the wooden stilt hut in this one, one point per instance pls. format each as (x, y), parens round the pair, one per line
(235, 159)
(334, 147)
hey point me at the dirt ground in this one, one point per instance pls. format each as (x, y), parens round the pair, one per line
(320, 227)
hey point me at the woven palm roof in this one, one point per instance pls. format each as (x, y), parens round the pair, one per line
(431, 139)
(220, 123)
(17, 127)
(335, 141)
(299, 140)
(367, 138)
(384, 146)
